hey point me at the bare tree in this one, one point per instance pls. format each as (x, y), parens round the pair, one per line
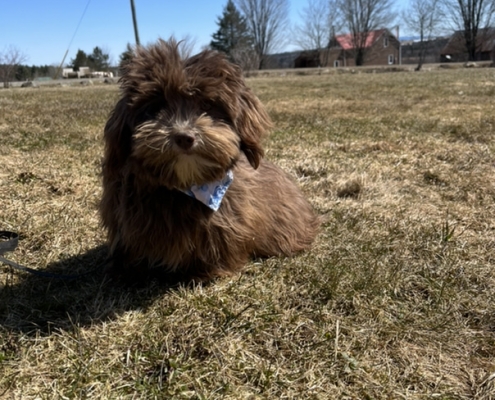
(320, 21)
(423, 17)
(267, 21)
(10, 59)
(246, 58)
(361, 17)
(314, 30)
(471, 17)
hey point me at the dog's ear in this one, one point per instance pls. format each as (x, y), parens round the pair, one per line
(117, 136)
(212, 75)
(252, 124)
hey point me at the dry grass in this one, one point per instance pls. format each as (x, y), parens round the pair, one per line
(395, 301)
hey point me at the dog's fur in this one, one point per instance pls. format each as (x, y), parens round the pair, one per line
(181, 122)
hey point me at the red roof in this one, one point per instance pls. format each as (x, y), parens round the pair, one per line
(345, 41)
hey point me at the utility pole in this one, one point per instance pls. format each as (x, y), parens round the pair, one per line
(400, 46)
(136, 33)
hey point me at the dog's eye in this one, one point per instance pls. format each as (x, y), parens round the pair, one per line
(206, 106)
(214, 110)
(149, 112)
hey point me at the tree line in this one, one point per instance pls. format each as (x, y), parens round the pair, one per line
(249, 30)
(12, 65)
(98, 60)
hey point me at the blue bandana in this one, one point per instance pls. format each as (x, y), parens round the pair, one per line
(211, 194)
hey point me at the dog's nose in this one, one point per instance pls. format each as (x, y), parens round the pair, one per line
(184, 140)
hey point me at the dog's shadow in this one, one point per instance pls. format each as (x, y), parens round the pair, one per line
(34, 304)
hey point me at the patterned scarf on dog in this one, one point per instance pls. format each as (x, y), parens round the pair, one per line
(211, 194)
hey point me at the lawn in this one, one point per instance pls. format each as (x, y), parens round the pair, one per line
(394, 301)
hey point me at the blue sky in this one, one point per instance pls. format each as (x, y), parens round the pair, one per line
(42, 29)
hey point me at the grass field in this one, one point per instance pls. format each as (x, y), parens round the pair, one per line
(395, 301)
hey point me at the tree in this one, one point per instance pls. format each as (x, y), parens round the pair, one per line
(98, 60)
(315, 29)
(232, 37)
(81, 60)
(361, 17)
(23, 73)
(471, 17)
(423, 17)
(246, 58)
(267, 21)
(126, 56)
(10, 59)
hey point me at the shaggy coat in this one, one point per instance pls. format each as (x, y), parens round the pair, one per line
(181, 122)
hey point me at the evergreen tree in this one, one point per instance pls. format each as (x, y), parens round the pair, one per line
(23, 73)
(98, 60)
(233, 34)
(81, 60)
(126, 56)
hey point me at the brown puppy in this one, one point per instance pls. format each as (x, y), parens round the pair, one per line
(186, 128)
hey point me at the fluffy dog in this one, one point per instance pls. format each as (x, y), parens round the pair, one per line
(184, 184)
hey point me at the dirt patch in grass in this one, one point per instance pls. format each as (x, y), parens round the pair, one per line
(395, 300)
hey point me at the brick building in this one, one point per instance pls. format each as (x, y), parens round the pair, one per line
(381, 48)
(456, 51)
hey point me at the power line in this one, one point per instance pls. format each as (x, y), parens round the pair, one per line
(73, 36)
(79, 23)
